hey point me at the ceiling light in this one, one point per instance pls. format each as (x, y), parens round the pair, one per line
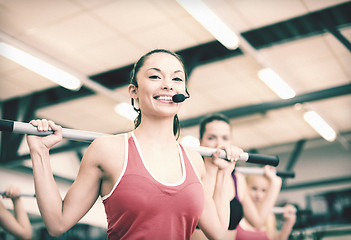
(274, 82)
(126, 110)
(30, 60)
(321, 126)
(208, 19)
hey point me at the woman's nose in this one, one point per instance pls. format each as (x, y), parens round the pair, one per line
(220, 142)
(167, 84)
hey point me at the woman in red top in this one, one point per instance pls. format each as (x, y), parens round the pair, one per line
(259, 188)
(151, 186)
(17, 225)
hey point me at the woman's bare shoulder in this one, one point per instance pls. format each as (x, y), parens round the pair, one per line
(197, 161)
(109, 140)
(105, 146)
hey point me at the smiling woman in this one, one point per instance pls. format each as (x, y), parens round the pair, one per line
(151, 186)
(179, 75)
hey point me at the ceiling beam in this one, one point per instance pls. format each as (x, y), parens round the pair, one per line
(307, 25)
(294, 157)
(273, 105)
(337, 34)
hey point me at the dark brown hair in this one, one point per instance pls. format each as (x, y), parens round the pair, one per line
(210, 118)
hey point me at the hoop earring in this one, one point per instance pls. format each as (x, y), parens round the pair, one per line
(136, 109)
(186, 90)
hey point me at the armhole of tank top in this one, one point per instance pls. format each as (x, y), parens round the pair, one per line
(192, 165)
(235, 179)
(124, 167)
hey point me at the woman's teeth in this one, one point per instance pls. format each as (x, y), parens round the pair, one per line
(165, 98)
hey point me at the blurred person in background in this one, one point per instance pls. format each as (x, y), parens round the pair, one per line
(216, 132)
(18, 224)
(258, 187)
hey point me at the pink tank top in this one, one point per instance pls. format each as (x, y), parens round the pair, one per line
(141, 207)
(242, 234)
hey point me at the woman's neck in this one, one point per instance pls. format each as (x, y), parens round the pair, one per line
(156, 130)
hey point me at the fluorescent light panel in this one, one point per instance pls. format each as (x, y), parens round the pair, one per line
(319, 125)
(126, 110)
(40, 67)
(207, 18)
(274, 82)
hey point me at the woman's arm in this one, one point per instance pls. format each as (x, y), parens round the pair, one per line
(58, 215)
(289, 222)
(214, 220)
(18, 225)
(257, 217)
(198, 235)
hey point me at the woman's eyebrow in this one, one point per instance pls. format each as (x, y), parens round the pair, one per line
(156, 69)
(159, 70)
(212, 135)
